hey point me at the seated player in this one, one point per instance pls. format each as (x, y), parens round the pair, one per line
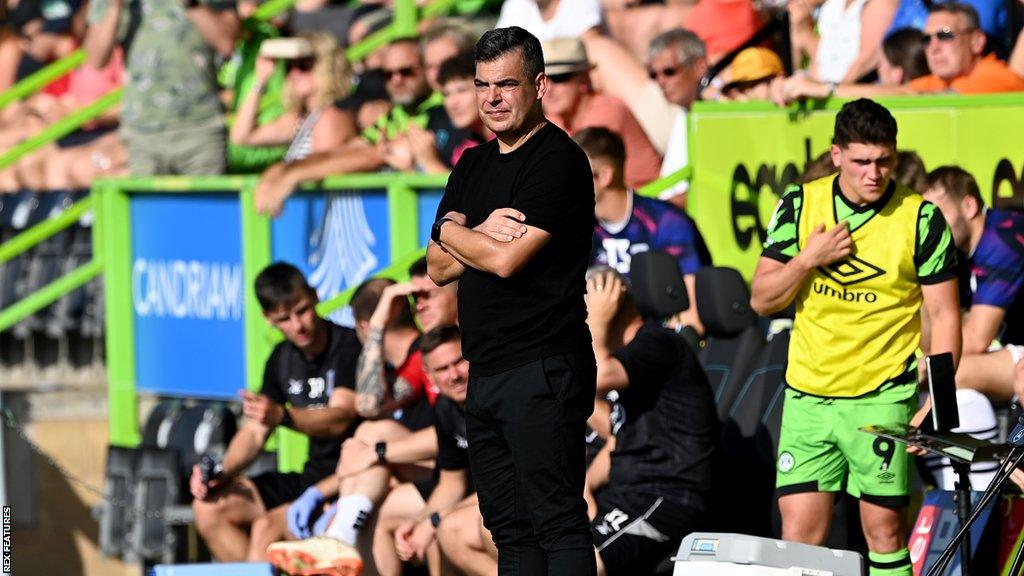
(649, 486)
(991, 243)
(628, 223)
(308, 386)
(406, 528)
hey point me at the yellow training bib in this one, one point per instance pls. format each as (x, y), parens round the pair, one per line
(857, 319)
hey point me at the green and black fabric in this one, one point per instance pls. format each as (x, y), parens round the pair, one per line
(238, 75)
(397, 119)
(935, 256)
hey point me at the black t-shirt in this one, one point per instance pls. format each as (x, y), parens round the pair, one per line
(664, 422)
(290, 377)
(539, 312)
(450, 426)
(447, 138)
(420, 413)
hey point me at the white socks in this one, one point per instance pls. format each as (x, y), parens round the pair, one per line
(353, 512)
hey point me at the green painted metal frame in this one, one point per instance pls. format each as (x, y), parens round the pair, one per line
(44, 230)
(61, 286)
(62, 127)
(405, 24)
(39, 79)
(112, 231)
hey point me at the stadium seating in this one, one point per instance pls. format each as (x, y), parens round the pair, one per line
(64, 340)
(148, 515)
(733, 340)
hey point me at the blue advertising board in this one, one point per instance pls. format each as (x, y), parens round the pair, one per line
(188, 294)
(188, 286)
(337, 238)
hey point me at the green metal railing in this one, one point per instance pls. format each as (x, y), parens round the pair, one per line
(112, 237)
(405, 24)
(65, 284)
(41, 78)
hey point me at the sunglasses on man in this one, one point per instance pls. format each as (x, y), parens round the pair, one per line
(300, 64)
(666, 72)
(946, 34)
(406, 72)
(562, 78)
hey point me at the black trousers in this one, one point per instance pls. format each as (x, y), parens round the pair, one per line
(527, 452)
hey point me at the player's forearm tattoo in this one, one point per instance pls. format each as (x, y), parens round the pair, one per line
(403, 390)
(371, 381)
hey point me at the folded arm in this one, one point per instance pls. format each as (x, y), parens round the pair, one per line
(478, 250)
(334, 420)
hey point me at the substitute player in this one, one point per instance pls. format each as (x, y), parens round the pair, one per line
(858, 254)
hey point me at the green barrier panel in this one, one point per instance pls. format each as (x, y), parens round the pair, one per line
(40, 79)
(744, 156)
(654, 189)
(112, 240)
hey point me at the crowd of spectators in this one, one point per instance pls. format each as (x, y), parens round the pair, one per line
(196, 78)
(209, 90)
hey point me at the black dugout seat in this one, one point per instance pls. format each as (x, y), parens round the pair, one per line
(732, 340)
(747, 448)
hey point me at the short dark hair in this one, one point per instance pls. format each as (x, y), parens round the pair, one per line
(458, 67)
(820, 167)
(956, 182)
(440, 335)
(864, 121)
(910, 171)
(958, 8)
(600, 142)
(418, 268)
(366, 297)
(280, 284)
(500, 41)
(904, 49)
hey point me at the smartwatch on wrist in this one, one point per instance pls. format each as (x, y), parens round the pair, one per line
(435, 230)
(286, 418)
(381, 448)
(435, 519)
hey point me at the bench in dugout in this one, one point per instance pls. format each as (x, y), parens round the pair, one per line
(745, 358)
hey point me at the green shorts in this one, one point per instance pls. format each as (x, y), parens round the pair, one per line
(821, 448)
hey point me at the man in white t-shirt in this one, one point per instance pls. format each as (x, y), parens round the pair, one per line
(677, 61)
(550, 19)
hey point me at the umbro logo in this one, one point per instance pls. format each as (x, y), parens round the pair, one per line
(852, 270)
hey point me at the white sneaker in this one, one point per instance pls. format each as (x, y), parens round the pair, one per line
(316, 556)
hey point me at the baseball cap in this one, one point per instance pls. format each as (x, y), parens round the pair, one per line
(752, 65)
(286, 48)
(564, 55)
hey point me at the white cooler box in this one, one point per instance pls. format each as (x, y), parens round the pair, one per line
(713, 554)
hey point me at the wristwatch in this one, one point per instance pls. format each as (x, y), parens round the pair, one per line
(381, 448)
(435, 230)
(435, 519)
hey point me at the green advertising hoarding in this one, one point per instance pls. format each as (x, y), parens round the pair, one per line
(744, 155)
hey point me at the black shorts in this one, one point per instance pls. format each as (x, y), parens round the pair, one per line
(277, 488)
(426, 487)
(635, 530)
